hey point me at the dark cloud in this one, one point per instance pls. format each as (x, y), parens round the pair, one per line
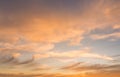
(72, 66)
(6, 59)
(24, 62)
(116, 56)
(94, 67)
(10, 60)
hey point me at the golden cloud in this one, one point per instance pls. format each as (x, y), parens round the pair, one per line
(54, 27)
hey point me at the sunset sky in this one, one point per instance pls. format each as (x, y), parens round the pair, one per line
(60, 38)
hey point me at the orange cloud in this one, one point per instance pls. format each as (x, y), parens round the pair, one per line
(37, 30)
(16, 55)
(55, 27)
(116, 26)
(104, 74)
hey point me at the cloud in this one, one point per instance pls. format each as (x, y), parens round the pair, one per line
(13, 61)
(25, 62)
(13, 54)
(72, 66)
(6, 59)
(35, 27)
(16, 55)
(63, 75)
(42, 67)
(38, 24)
(73, 54)
(115, 35)
(27, 47)
(117, 56)
(94, 67)
(116, 26)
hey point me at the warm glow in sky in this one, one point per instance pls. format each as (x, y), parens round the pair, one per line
(60, 38)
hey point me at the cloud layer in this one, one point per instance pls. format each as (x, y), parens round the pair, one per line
(31, 30)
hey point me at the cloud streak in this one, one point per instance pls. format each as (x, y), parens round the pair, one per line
(115, 35)
(74, 54)
(95, 67)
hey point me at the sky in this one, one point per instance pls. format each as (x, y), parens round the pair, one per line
(59, 38)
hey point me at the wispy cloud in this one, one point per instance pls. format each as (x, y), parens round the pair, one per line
(111, 36)
(94, 67)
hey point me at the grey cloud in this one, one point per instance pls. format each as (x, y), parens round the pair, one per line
(12, 61)
(6, 59)
(95, 67)
(72, 66)
(26, 62)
